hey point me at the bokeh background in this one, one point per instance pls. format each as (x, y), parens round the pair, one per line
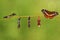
(49, 30)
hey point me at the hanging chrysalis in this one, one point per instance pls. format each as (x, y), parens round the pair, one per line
(38, 21)
(19, 22)
(29, 21)
(13, 14)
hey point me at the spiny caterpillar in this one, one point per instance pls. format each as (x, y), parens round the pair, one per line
(13, 14)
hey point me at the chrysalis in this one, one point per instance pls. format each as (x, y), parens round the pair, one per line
(38, 21)
(29, 21)
(19, 22)
(49, 14)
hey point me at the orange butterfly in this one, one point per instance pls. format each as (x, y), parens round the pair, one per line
(49, 14)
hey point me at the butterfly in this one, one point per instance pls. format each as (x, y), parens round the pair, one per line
(49, 14)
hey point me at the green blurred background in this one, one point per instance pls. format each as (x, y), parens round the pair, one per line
(49, 30)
